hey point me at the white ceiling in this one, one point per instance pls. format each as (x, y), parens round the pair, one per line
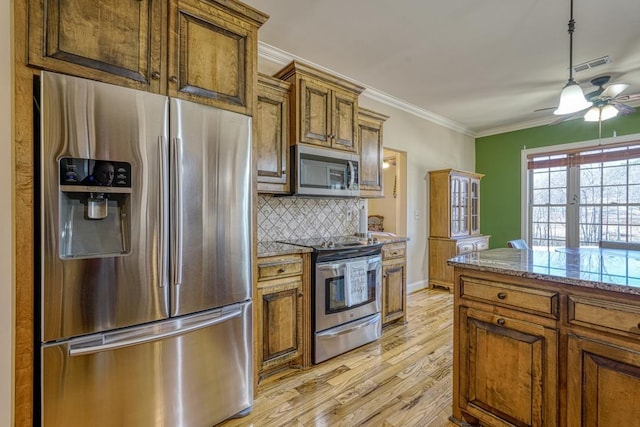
(478, 66)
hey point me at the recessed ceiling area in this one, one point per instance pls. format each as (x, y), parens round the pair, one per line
(483, 67)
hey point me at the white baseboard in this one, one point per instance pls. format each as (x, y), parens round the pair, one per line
(417, 286)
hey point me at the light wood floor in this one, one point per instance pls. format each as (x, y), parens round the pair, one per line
(403, 379)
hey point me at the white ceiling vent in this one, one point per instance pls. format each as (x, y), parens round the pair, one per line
(592, 64)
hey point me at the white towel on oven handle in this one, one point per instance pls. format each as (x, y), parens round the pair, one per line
(355, 283)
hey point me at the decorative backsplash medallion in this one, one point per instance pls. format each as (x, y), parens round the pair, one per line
(286, 218)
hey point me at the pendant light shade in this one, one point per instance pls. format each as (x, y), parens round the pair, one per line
(598, 114)
(572, 98)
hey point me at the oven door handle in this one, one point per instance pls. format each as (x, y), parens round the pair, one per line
(328, 334)
(330, 266)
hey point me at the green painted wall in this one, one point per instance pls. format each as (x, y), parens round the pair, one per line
(498, 157)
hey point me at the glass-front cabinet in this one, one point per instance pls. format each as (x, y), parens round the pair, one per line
(454, 221)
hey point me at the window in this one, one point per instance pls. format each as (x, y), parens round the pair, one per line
(582, 197)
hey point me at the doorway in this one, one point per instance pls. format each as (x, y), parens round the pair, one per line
(393, 206)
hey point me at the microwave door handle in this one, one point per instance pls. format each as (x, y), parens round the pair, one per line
(351, 175)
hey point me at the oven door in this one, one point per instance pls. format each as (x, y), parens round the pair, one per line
(346, 290)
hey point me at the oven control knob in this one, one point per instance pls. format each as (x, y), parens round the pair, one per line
(375, 240)
(330, 244)
(323, 244)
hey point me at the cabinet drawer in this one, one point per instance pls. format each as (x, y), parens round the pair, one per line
(545, 302)
(482, 245)
(279, 268)
(394, 250)
(464, 247)
(602, 314)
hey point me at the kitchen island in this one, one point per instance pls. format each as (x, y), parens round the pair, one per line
(546, 338)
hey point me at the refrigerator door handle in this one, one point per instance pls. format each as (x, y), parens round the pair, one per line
(162, 264)
(178, 206)
(120, 339)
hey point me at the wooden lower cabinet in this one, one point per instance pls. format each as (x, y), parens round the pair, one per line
(281, 304)
(509, 374)
(394, 283)
(442, 248)
(532, 352)
(604, 381)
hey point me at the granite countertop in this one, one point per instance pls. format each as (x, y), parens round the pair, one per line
(266, 249)
(611, 269)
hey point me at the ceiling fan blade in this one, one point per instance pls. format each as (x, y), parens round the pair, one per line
(623, 109)
(545, 109)
(629, 97)
(571, 116)
(612, 91)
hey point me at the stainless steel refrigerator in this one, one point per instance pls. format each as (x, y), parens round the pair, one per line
(146, 250)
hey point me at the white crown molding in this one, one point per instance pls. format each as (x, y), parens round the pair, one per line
(281, 57)
(515, 126)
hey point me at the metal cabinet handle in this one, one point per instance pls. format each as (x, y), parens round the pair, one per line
(502, 295)
(173, 79)
(500, 322)
(300, 294)
(281, 270)
(155, 75)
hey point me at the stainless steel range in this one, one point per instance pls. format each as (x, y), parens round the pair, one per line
(346, 289)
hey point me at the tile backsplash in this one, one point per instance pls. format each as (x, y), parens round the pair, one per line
(286, 218)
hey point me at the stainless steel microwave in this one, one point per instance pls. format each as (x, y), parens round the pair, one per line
(324, 172)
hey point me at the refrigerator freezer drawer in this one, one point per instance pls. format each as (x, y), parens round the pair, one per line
(187, 372)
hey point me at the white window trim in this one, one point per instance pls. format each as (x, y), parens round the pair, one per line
(524, 175)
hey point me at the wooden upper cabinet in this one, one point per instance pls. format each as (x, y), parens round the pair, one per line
(271, 140)
(199, 50)
(371, 152)
(324, 108)
(119, 41)
(213, 53)
(454, 199)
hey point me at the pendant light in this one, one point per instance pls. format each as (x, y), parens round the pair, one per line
(572, 98)
(598, 114)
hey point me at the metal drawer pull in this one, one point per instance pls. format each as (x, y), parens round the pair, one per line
(502, 295)
(281, 270)
(500, 322)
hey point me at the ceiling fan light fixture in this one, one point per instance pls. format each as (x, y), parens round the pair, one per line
(597, 114)
(572, 99)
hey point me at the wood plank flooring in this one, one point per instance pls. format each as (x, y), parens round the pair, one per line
(403, 379)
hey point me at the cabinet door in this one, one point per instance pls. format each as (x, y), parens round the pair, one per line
(315, 113)
(508, 375)
(280, 316)
(393, 292)
(474, 206)
(212, 56)
(119, 41)
(370, 137)
(344, 124)
(271, 144)
(459, 206)
(603, 381)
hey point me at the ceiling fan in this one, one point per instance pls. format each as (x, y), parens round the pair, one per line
(607, 102)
